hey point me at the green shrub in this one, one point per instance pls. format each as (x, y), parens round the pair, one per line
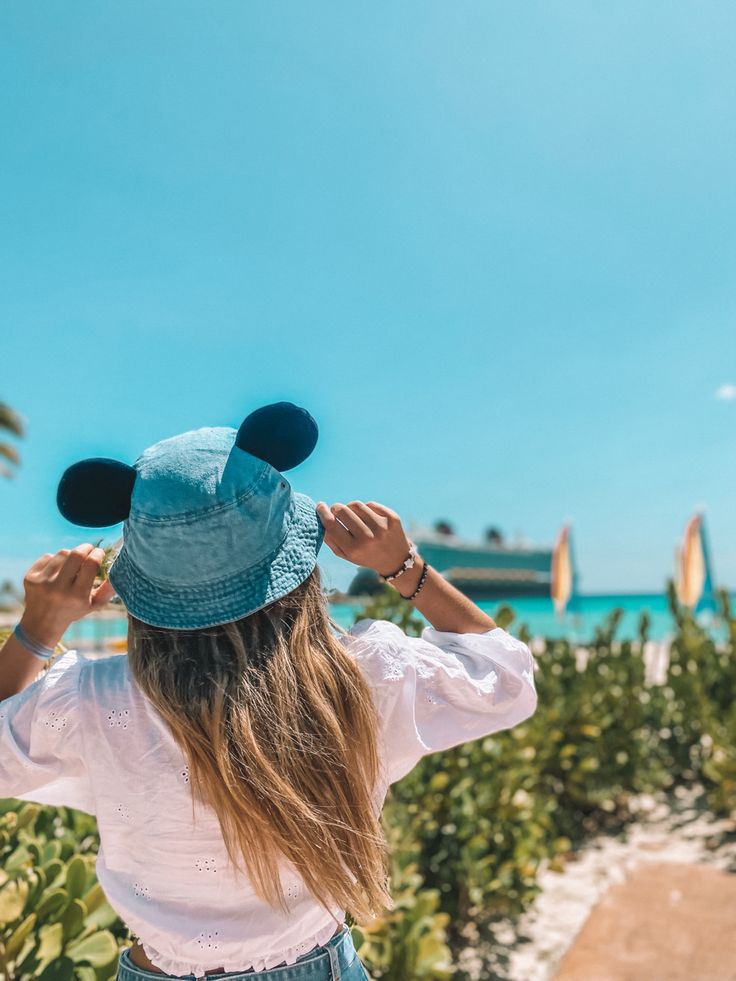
(469, 828)
(409, 941)
(55, 922)
(480, 819)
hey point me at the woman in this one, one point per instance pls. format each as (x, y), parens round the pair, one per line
(237, 759)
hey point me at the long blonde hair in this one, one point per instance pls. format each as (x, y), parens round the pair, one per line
(279, 730)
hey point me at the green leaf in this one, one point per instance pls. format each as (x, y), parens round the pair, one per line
(60, 969)
(54, 900)
(27, 815)
(51, 850)
(53, 870)
(99, 949)
(12, 900)
(439, 781)
(18, 936)
(504, 616)
(94, 897)
(19, 859)
(37, 883)
(76, 876)
(73, 919)
(52, 941)
(104, 916)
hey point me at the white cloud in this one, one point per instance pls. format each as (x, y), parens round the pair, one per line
(726, 392)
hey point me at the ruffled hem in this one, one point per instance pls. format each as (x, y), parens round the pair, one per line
(236, 962)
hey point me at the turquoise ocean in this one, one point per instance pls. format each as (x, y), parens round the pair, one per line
(536, 613)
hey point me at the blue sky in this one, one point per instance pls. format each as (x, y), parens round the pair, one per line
(490, 246)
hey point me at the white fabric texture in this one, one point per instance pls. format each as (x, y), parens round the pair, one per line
(83, 735)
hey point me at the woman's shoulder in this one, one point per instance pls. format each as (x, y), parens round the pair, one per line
(97, 674)
(369, 630)
(103, 664)
(384, 651)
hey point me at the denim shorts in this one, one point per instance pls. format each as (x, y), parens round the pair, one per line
(337, 960)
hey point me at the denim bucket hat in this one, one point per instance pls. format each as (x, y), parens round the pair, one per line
(212, 529)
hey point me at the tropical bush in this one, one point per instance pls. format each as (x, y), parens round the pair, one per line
(55, 922)
(470, 828)
(480, 819)
(410, 940)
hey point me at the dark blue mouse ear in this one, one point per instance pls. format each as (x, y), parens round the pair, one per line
(282, 434)
(96, 493)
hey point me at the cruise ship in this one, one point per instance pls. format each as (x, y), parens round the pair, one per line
(489, 569)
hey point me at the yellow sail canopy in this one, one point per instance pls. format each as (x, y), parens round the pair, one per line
(691, 566)
(562, 570)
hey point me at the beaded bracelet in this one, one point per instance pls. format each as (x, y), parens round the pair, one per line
(40, 650)
(408, 563)
(421, 582)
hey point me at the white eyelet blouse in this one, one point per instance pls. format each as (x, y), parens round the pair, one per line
(82, 735)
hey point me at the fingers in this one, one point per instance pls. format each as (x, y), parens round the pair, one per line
(381, 509)
(88, 570)
(72, 562)
(54, 565)
(336, 549)
(352, 522)
(40, 564)
(58, 589)
(62, 567)
(103, 594)
(354, 526)
(336, 536)
(370, 518)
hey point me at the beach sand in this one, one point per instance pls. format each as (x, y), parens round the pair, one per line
(666, 922)
(674, 829)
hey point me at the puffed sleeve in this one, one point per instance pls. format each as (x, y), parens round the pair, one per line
(41, 748)
(441, 689)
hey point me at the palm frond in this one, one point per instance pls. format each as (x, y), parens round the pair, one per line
(10, 453)
(10, 420)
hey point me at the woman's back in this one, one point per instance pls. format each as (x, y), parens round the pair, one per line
(162, 862)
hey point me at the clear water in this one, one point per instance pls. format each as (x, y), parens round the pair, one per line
(536, 613)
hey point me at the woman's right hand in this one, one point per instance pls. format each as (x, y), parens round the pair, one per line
(370, 535)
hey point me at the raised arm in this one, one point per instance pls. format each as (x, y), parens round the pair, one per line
(59, 589)
(372, 535)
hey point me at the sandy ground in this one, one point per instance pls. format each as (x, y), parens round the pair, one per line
(676, 830)
(666, 922)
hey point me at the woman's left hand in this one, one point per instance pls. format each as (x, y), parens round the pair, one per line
(60, 589)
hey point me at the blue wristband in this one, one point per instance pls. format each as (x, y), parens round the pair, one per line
(40, 651)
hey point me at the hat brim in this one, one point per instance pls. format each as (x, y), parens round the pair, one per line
(233, 597)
